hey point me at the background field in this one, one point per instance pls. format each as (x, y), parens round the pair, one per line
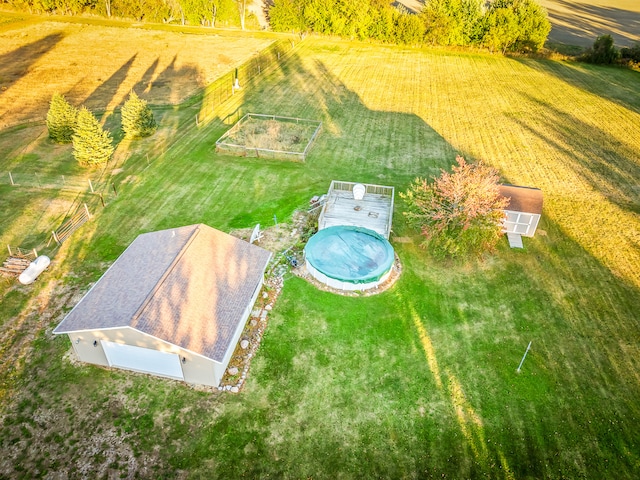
(47, 57)
(418, 382)
(580, 22)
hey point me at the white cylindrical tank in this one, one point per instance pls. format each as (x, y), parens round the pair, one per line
(34, 269)
(358, 191)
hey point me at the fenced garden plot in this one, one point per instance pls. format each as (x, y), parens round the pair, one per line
(270, 136)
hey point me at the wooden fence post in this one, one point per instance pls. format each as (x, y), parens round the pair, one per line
(86, 210)
(11, 178)
(91, 186)
(55, 237)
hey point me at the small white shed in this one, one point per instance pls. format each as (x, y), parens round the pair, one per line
(523, 212)
(174, 304)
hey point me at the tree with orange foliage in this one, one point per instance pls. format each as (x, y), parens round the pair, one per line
(460, 213)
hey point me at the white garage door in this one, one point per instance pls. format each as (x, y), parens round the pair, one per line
(143, 360)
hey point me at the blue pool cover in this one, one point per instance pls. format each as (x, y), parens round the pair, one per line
(350, 254)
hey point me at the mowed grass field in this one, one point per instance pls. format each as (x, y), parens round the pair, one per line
(417, 382)
(39, 58)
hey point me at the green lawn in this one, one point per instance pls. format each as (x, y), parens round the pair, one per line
(417, 382)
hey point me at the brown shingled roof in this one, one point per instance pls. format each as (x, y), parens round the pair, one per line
(188, 286)
(522, 199)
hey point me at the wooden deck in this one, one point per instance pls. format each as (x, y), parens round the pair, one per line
(374, 211)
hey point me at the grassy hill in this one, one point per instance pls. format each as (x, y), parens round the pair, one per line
(417, 382)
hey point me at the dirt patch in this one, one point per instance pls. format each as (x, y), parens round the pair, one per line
(275, 239)
(283, 236)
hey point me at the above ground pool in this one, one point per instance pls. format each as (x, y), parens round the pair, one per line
(349, 258)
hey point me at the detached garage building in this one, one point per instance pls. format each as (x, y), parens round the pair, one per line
(173, 304)
(522, 214)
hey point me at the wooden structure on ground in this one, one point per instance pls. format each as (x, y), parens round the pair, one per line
(522, 214)
(67, 228)
(373, 211)
(17, 261)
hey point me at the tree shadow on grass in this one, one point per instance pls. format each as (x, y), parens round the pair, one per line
(595, 79)
(146, 81)
(608, 166)
(584, 331)
(104, 96)
(356, 141)
(16, 64)
(576, 23)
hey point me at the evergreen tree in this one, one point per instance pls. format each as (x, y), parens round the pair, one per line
(92, 145)
(460, 213)
(602, 52)
(61, 119)
(137, 118)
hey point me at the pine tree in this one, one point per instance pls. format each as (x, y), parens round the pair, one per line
(61, 119)
(91, 144)
(137, 118)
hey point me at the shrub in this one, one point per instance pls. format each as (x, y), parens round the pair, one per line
(603, 52)
(517, 25)
(631, 53)
(453, 22)
(410, 30)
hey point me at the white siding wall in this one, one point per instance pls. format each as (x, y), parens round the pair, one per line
(196, 368)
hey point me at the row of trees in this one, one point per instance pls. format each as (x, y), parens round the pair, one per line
(93, 145)
(496, 24)
(520, 25)
(192, 12)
